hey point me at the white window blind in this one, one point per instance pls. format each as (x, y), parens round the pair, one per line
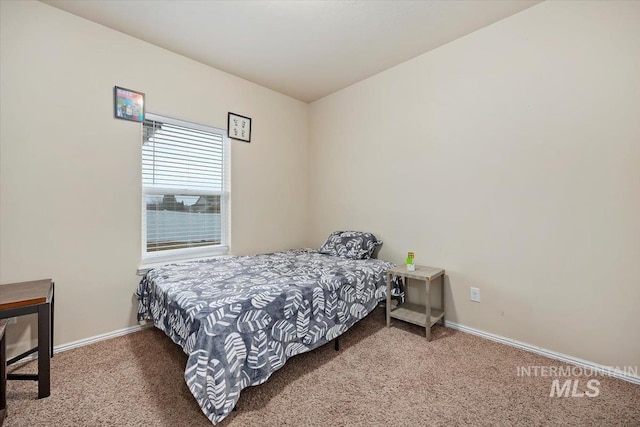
(185, 189)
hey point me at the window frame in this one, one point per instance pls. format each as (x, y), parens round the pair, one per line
(193, 253)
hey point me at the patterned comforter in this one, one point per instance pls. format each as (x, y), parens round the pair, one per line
(239, 319)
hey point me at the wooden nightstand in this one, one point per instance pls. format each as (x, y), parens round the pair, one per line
(417, 314)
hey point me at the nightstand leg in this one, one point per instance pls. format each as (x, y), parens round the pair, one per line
(428, 310)
(388, 307)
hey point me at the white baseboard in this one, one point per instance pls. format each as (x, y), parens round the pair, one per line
(605, 370)
(101, 337)
(600, 369)
(91, 340)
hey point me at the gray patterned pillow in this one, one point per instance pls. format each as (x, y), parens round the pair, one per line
(350, 244)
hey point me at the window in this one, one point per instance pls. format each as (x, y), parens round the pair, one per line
(185, 190)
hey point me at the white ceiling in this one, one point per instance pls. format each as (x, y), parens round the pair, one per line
(305, 49)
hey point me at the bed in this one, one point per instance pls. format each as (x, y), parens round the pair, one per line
(239, 319)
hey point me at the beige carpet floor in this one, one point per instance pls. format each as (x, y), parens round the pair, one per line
(380, 377)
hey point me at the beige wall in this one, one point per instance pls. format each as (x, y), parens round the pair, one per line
(511, 158)
(70, 173)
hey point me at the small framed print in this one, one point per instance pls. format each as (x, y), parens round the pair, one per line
(239, 127)
(128, 104)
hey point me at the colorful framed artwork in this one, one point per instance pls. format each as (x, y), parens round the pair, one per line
(239, 127)
(128, 104)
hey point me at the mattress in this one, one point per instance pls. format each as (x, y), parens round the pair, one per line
(239, 319)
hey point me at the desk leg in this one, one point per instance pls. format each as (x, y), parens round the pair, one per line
(53, 297)
(388, 307)
(3, 377)
(428, 310)
(442, 298)
(44, 361)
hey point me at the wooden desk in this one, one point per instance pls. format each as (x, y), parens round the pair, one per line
(18, 299)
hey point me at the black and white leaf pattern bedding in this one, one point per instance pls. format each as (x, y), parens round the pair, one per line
(239, 319)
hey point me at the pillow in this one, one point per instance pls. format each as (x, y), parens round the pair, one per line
(350, 244)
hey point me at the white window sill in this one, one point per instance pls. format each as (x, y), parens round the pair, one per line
(146, 266)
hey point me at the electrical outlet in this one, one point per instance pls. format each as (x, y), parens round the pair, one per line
(475, 294)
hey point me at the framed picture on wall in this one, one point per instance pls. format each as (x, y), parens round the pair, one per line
(128, 104)
(239, 127)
